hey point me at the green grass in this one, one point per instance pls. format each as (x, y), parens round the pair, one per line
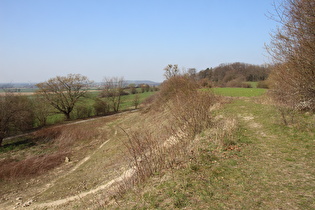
(239, 92)
(89, 100)
(272, 167)
(128, 99)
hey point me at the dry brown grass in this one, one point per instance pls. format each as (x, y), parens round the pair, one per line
(54, 145)
(168, 143)
(30, 167)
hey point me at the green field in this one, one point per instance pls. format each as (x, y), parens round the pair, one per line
(89, 100)
(239, 92)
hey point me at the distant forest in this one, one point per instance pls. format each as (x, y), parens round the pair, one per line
(234, 74)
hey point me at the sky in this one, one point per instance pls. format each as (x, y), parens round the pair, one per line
(134, 39)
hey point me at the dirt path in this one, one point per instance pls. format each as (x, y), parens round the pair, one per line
(279, 163)
(127, 174)
(51, 184)
(30, 202)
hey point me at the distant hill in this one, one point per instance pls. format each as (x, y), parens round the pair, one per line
(33, 85)
(137, 82)
(18, 85)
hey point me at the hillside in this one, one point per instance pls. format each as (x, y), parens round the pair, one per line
(246, 159)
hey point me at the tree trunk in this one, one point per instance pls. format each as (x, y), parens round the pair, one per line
(1, 141)
(68, 116)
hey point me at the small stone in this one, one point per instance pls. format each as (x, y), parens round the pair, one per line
(67, 160)
(28, 203)
(19, 198)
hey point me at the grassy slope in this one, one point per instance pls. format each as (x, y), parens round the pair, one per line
(271, 167)
(262, 165)
(105, 163)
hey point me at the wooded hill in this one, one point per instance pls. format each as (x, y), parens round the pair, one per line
(233, 74)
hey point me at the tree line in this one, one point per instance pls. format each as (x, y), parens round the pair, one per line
(234, 74)
(62, 95)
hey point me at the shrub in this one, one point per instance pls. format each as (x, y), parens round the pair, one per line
(101, 107)
(262, 84)
(152, 149)
(82, 111)
(192, 110)
(176, 85)
(12, 169)
(292, 50)
(238, 83)
(206, 83)
(133, 90)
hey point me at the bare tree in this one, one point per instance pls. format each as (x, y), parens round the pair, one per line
(113, 90)
(15, 115)
(292, 49)
(42, 109)
(64, 92)
(192, 72)
(171, 71)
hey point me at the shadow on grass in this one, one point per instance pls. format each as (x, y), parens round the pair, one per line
(17, 145)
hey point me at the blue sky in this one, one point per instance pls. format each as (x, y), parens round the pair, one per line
(136, 39)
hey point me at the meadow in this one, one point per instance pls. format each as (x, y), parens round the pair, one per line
(239, 92)
(127, 103)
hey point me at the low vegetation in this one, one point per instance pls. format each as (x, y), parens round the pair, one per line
(239, 92)
(249, 159)
(195, 144)
(230, 153)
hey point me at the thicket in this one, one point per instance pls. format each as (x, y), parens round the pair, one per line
(180, 112)
(16, 115)
(292, 49)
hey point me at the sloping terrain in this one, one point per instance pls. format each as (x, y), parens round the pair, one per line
(248, 159)
(263, 164)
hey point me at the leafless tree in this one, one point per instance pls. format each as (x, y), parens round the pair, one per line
(171, 71)
(42, 109)
(113, 90)
(63, 92)
(292, 49)
(15, 115)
